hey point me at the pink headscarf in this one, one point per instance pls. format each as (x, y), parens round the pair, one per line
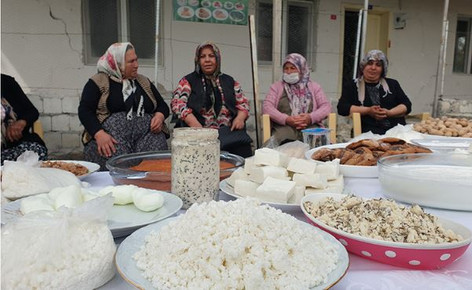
(298, 94)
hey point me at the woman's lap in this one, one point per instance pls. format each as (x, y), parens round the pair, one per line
(14, 152)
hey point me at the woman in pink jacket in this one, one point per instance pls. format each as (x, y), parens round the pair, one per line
(296, 102)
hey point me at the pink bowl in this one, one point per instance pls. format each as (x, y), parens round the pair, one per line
(406, 255)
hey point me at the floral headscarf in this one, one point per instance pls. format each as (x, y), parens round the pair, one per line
(298, 94)
(216, 50)
(113, 63)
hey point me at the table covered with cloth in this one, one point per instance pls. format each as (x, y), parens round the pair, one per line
(362, 273)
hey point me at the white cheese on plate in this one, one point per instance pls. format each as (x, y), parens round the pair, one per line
(259, 174)
(299, 165)
(275, 190)
(315, 180)
(244, 187)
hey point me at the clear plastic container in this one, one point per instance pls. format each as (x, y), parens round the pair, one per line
(195, 165)
(316, 137)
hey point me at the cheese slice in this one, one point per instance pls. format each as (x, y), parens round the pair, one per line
(275, 190)
(299, 165)
(315, 180)
(298, 194)
(244, 187)
(260, 173)
(329, 168)
(267, 156)
(239, 173)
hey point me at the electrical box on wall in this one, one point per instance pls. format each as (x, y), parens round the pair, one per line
(399, 20)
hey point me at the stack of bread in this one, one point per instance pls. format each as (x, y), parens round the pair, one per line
(273, 176)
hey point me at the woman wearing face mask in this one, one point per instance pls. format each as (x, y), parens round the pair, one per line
(295, 102)
(211, 99)
(380, 100)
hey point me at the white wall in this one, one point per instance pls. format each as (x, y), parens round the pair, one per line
(45, 54)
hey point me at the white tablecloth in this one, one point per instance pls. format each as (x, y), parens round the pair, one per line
(362, 273)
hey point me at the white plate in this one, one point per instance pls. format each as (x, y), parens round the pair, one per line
(122, 219)
(126, 265)
(428, 136)
(347, 170)
(92, 167)
(228, 189)
(444, 144)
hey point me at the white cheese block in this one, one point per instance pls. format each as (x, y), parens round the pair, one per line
(275, 190)
(315, 180)
(244, 187)
(36, 203)
(298, 165)
(298, 194)
(70, 196)
(147, 199)
(121, 193)
(267, 156)
(88, 195)
(260, 173)
(249, 164)
(337, 182)
(237, 174)
(329, 168)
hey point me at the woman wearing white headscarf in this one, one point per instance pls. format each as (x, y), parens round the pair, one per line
(295, 102)
(380, 100)
(121, 110)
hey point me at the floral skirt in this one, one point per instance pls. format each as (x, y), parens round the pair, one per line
(12, 153)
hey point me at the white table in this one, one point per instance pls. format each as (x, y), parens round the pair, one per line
(362, 273)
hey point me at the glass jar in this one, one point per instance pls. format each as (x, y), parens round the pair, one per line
(195, 165)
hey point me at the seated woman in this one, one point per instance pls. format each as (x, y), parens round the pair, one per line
(380, 101)
(121, 110)
(18, 116)
(208, 98)
(295, 102)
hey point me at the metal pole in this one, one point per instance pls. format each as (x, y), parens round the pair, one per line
(364, 26)
(156, 52)
(439, 86)
(358, 37)
(276, 38)
(255, 78)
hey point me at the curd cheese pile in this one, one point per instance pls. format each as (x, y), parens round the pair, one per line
(236, 245)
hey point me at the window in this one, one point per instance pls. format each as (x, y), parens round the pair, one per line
(297, 28)
(109, 21)
(462, 50)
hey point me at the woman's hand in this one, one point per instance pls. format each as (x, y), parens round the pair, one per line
(299, 122)
(14, 130)
(156, 122)
(377, 112)
(105, 143)
(238, 122)
(192, 121)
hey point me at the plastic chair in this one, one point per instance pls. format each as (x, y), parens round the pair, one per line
(266, 127)
(38, 129)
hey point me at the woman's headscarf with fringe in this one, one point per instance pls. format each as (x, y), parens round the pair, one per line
(216, 50)
(298, 94)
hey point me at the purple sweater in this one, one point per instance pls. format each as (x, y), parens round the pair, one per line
(321, 105)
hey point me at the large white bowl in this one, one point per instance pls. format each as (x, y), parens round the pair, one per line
(407, 255)
(347, 170)
(435, 180)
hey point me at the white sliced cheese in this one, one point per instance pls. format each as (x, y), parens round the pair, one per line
(249, 164)
(267, 156)
(237, 174)
(329, 168)
(147, 199)
(260, 173)
(329, 189)
(315, 180)
(337, 182)
(298, 194)
(298, 165)
(275, 190)
(36, 203)
(244, 187)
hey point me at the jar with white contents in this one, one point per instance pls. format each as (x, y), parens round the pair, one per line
(195, 165)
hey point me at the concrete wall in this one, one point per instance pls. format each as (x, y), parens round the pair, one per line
(42, 47)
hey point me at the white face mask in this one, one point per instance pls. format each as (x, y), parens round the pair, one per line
(292, 78)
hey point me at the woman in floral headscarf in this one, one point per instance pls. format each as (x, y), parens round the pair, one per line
(380, 100)
(295, 102)
(208, 98)
(121, 110)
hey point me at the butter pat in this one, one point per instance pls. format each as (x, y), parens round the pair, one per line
(315, 180)
(267, 156)
(237, 174)
(275, 190)
(244, 187)
(147, 199)
(260, 173)
(329, 168)
(298, 165)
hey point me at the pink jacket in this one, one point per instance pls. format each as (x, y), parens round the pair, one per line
(321, 105)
